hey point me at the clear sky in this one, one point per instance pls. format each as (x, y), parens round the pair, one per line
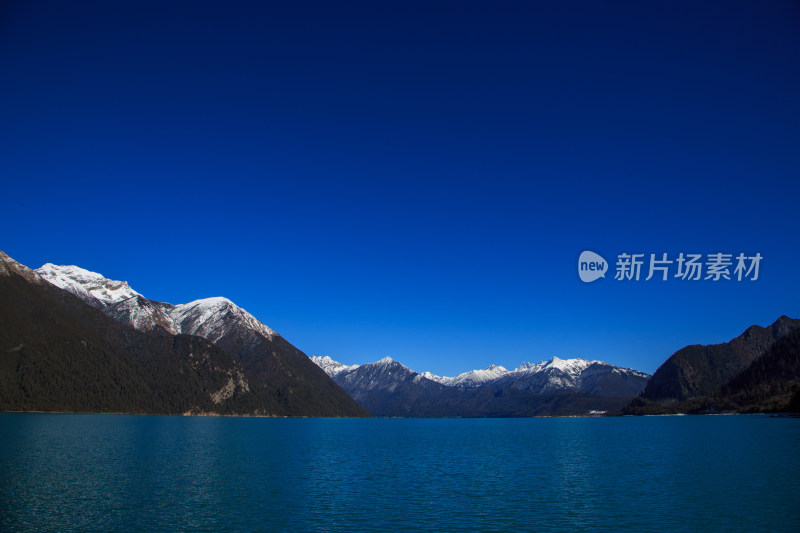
(413, 179)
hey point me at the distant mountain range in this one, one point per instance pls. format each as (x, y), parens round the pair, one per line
(73, 340)
(557, 386)
(756, 371)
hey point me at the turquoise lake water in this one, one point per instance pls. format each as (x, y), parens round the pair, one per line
(154, 473)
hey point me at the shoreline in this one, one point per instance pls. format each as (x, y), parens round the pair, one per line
(218, 415)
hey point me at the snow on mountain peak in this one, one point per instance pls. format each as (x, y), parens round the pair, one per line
(529, 367)
(553, 375)
(87, 285)
(568, 365)
(214, 301)
(206, 318)
(494, 373)
(330, 366)
(472, 378)
(387, 363)
(72, 272)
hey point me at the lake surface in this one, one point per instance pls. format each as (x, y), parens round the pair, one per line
(153, 473)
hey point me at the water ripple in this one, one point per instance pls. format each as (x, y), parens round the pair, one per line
(144, 473)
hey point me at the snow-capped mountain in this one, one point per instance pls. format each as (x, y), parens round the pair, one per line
(90, 287)
(386, 387)
(580, 375)
(556, 386)
(84, 358)
(268, 359)
(207, 318)
(473, 378)
(554, 375)
(384, 375)
(330, 366)
(569, 366)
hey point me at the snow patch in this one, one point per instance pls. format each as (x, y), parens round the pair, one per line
(208, 317)
(90, 286)
(473, 378)
(331, 367)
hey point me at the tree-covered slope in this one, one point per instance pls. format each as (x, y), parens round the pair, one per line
(58, 353)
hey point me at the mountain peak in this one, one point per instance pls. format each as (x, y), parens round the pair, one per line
(387, 388)
(101, 332)
(534, 367)
(784, 324)
(567, 365)
(205, 317)
(387, 363)
(218, 301)
(212, 303)
(330, 366)
(472, 378)
(89, 286)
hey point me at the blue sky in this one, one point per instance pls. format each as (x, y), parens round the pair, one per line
(412, 179)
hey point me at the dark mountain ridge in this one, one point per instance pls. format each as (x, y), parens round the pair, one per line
(58, 353)
(699, 370)
(754, 371)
